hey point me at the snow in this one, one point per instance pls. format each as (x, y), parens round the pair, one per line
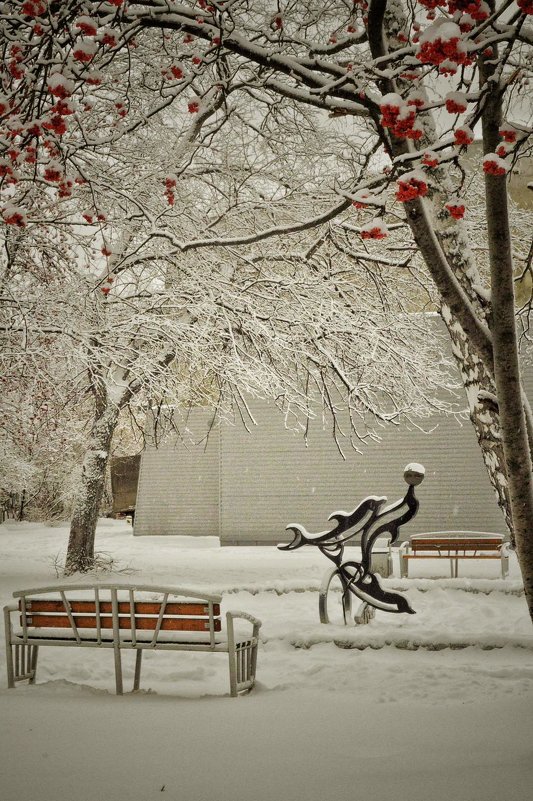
(432, 705)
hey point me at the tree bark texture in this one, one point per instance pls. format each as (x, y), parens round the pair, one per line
(480, 388)
(80, 552)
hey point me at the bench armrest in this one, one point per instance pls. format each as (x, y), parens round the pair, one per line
(8, 611)
(8, 624)
(232, 614)
(404, 548)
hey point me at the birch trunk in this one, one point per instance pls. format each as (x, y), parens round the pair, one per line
(508, 383)
(513, 415)
(483, 411)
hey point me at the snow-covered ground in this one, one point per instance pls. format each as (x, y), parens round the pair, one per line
(431, 706)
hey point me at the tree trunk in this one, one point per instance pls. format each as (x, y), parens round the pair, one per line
(508, 383)
(80, 553)
(22, 505)
(444, 246)
(513, 422)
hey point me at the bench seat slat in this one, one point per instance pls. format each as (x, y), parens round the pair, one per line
(106, 622)
(166, 639)
(451, 556)
(141, 607)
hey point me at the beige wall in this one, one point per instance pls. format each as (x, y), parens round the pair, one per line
(246, 487)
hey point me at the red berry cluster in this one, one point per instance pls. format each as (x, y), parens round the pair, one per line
(456, 210)
(53, 173)
(455, 104)
(105, 290)
(59, 87)
(410, 187)
(477, 9)
(360, 204)
(12, 215)
(494, 165)
(84, 51)
(399, 117)
(373, 233)
(34, 8)
(463, 136)
(87, 26)
(441, 44)
(430, 159)
(109, 38)
(440, 50)
(170, 185)
(508, 134)
(375, 229)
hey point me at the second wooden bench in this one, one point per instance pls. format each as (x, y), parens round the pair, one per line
(454, 545)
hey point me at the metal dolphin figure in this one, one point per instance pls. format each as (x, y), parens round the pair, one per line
(371, 519)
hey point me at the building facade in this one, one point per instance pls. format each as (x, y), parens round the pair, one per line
(247, 486)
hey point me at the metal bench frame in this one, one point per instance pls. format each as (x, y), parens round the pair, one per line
(454, 545)
(22, 648)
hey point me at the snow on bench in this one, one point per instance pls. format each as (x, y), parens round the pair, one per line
(127, 617)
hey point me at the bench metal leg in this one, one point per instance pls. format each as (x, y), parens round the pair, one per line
(118, 671)
(505, 566)
(404, 567)
(232, 673)
(10, 668)
(116, 641)
(137, 676)
(253, 666)
(21, 663)
(34, 658)
(9, 650)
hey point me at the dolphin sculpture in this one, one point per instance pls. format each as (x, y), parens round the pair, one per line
(371, 519)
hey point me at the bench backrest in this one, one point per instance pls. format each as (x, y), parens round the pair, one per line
(118, 607)
(467, 541)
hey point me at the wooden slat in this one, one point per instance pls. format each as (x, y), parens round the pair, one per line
(141, 607)
(451, 556)
(40, 620)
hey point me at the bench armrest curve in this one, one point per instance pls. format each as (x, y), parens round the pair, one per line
(245, 616)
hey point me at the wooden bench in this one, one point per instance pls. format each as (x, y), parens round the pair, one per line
(126, 617)
(454, 545)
